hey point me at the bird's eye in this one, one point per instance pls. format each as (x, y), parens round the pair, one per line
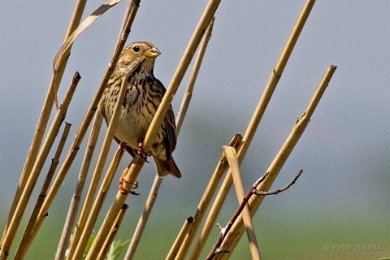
(136, 49)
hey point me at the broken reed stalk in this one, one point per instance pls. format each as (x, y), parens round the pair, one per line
(231, 156)
(179, 122)
(205, 201)
(74, 205)
(252, 127)
(45, 114)
(182, 233)
(84, 227)
(20, 252)
(114, 229)
(42, 156)
(84, 125)
(134, 168)
(273, 170)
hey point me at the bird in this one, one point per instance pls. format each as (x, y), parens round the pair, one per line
(144, 93)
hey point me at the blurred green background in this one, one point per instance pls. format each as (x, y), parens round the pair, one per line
(339, 207)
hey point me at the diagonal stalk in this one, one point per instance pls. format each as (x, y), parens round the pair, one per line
(20, 252)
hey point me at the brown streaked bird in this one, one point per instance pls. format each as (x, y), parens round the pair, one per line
(143, 96)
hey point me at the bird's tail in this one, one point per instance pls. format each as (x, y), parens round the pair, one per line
(167, 167)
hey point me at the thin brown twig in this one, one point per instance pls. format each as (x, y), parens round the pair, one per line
(132, 171)
(26, 195)
(217, 249)
(44, 116)
(20, 252)
(279, 160)
(253, 125)
(179, 122)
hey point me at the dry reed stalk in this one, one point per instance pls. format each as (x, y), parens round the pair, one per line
(231, 156)
(20, 252)
(273, 170)
(26, 195)
(86, 211)
(45, 115)
(180, 237)
(144, 217)
(132, 171)
(98, 202)
(85, 123)
(114, 229)
(74, 205)
(194, 75)
(179, 122)
(253, 125)
(206, 199)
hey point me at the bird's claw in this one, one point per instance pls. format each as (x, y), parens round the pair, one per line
(141, 152)
(123, 186)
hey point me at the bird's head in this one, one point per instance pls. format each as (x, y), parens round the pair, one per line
(137, 50)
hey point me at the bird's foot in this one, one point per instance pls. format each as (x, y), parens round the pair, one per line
(123, 186)
(141, 152)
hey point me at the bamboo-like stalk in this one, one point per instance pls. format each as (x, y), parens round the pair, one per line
(182, 233)
(86, 226)
(26, 195)
(144, 217)
(273, 170)
(20, 252)
(231, 156)
(114, 229)
(74, 205)
(45, 114)
(194, 75)
(206, 198)
(100, 199)
(253, 125)
(179, 122)
(86, 121)
(131, 173)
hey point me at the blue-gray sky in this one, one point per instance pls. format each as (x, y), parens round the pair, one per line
(343, 152)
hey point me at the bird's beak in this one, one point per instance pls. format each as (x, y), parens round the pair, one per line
(152, 53)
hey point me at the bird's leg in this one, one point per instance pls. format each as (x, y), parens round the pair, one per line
(141, 152)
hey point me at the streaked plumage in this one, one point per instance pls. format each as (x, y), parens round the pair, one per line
(143, 96)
